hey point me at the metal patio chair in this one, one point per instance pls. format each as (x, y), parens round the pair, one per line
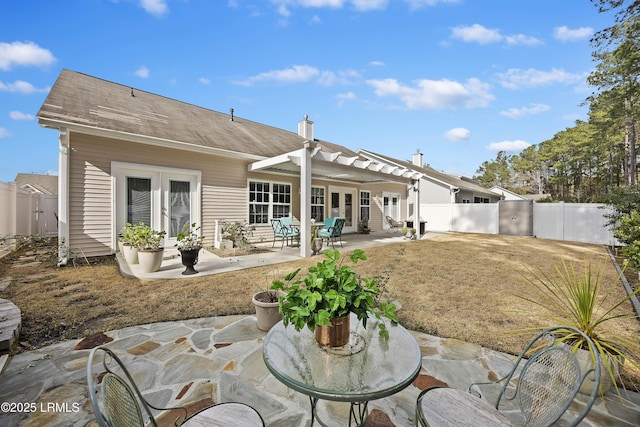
(545, 386)
(332, 230)
(284, 229)
(117, 402)
(393, 224)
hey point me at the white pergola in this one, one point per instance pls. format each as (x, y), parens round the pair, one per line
(312, 161)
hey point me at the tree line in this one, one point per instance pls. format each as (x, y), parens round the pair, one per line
(586, 162)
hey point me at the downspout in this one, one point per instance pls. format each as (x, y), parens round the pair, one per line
(455, 191)
(63, 195)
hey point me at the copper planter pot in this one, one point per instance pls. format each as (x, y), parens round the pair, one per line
(335, 335)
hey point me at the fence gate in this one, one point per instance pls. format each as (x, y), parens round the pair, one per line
(515, 217)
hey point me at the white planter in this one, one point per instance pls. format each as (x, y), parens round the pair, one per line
(267, 313)
(150, 261)
(130, 254)
(226, 244)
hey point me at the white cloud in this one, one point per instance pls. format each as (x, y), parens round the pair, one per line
(142, 72)
(377, 64)
(4, 133)
(436, 94)
(522, 39)
(476, 34)
(517, 145)
(343, 97)
(516, 78)
(364, 5)
(20, 86)
(155, 7)
(419, 4)
(18, 115)
(565, 34)
(204, 81)
(24, 54)
(518, 113)
(458, 134)
(303, 74)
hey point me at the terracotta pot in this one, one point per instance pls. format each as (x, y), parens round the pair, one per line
(335, 335)
(267, 313)
(189, 259)
(150, 261)
(130, 254)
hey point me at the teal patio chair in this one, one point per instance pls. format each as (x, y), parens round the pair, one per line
(544, 386)
(116, 400)
(332, 230)
(284, 229)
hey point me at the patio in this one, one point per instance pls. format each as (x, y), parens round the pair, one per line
(209, 263)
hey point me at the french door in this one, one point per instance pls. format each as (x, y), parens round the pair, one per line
(342, 202)
(163, 198)
(390, 207)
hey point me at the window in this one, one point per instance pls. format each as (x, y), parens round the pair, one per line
(365, 205)
(480, 200)
(268, 200)
(259, 202)
(138, 200)
(317, 203)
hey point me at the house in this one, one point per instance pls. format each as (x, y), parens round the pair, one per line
(506, 194)
(36, 183)
(127, 155)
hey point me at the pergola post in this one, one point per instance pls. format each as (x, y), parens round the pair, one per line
(305, 199)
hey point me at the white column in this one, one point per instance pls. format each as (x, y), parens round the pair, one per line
(63, 192)
(416, 207)
(305, 199)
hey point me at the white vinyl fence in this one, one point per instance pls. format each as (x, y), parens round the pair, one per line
(24, 213)
(577, 222)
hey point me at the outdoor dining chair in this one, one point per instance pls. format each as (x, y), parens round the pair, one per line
(117, 401)
(284, 229)
(393, 224)
(332, 230)
(545, 386)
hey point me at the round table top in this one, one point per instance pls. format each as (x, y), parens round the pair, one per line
(367, 368)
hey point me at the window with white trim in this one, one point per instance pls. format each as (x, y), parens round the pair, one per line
(317, 203)
(365, 205)
(268, 200)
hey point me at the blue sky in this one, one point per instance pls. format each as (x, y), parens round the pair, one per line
(459, 80)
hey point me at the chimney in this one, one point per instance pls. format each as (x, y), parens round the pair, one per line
(417, 158)
(305, 128)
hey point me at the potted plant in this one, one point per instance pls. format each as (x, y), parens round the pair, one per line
(265, 302)
(150, 248)
(323, 299)
(128, 243)
(585, 302)
(316, 244)
(189, 243)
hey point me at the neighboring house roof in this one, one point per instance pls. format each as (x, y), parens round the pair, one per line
(45, 184)
(92, 105)
(507, 194)
(446, 179)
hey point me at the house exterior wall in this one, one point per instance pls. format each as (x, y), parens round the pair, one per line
(434, 193)
(224, 190)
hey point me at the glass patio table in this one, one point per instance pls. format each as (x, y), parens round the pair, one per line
(366, 369)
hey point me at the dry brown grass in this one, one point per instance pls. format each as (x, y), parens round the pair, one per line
(464, 286)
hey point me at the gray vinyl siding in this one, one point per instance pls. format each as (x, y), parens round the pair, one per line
(434, 192)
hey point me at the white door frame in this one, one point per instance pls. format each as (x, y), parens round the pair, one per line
(160, 178)
(389, 209)
(348, 228)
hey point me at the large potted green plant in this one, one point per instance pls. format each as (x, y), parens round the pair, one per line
(189, 243)
(584, 301)
(323, 299)
(150, 248)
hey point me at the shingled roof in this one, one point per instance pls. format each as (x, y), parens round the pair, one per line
(82, 102)
(46, 184)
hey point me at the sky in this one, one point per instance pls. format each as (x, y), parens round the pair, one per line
(458, 80)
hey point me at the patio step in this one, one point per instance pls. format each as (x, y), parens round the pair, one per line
(10, 323)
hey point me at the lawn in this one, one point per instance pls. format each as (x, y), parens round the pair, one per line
(465, 286)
